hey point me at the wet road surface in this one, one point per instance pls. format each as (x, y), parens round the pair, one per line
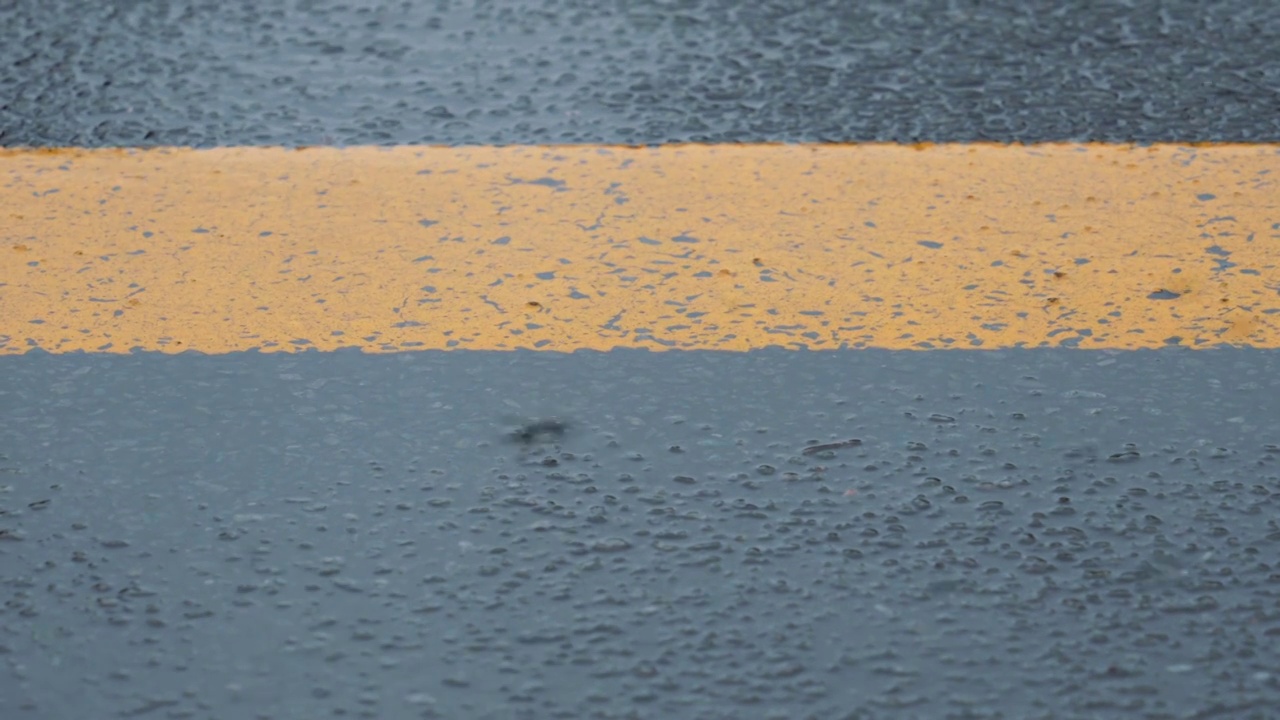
(1034, 534)
(1040, 534)
(245, 72)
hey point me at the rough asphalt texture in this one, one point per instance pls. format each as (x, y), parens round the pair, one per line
(515, 71)
(1054, 534)
(1022, 534)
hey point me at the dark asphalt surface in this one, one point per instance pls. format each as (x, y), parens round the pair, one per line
(1034, 534)
(253, 72)
(1051, 534)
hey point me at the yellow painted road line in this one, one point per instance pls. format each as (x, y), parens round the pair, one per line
(713, 247)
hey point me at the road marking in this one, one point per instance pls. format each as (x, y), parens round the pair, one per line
(683, 246)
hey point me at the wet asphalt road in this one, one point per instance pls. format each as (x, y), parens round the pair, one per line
(604, 71)
(1018, 534)
(1055, 534)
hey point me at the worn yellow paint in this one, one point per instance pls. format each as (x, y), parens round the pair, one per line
(561, 248)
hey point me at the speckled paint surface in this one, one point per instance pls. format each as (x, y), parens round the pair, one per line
(692, 247)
